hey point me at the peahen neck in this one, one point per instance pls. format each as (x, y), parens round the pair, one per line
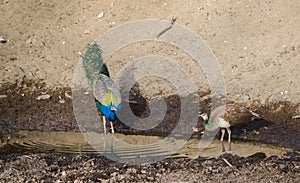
(210, 126)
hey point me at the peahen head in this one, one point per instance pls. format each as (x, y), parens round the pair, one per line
(208, 123)
(204, 116)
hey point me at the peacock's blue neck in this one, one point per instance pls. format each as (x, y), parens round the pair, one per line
(107, 112)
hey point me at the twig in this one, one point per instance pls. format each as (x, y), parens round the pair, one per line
(168, 28)
(227, 162)
(296, 117)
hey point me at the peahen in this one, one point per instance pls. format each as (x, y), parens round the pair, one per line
(224, 117)
(105, 91)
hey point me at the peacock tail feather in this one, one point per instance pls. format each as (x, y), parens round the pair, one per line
(93, 63)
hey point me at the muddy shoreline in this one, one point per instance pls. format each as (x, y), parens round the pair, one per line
(21, 110)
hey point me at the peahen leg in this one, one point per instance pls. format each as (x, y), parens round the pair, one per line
(104, 124)
(112, 127)
(222, 138)
(229, 138)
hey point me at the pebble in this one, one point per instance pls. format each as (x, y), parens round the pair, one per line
(111, 24)
(256, 132)
(86, 31)
(43, 97)
(246, 97)
(100, 15)
(3, 96)
(67, 95)
(2, 40)
(63, 174)
(293, 117)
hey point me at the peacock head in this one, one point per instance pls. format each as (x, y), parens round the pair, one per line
(115, 109)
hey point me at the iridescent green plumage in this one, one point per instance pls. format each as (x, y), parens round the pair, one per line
(93, 63)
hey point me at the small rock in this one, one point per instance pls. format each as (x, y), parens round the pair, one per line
(293, 117)
(2, 40)
(100, 15)
(63, 174)
(43, 97)
(3, 96)
(86, 31)
(5, 1)
(67, 95)
(131, 171)
(61, 100)
(111, 24)
(246, 97)
(256, 132)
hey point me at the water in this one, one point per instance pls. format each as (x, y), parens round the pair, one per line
(124, 146)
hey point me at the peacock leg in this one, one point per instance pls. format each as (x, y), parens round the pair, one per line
(112, 127)
(229, 138)
(104, 124)
(222, 138)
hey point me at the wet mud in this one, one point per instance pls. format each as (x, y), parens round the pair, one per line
(20, 110)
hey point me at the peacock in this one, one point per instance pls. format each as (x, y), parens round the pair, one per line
(224, 117)
(105, 91)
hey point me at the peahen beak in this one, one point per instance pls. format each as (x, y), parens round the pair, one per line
(204, 116)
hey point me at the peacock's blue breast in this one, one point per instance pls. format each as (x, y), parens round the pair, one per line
(107, 112)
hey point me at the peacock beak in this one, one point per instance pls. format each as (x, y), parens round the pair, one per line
(113, 108)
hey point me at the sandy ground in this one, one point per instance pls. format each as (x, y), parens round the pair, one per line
(256, 43)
